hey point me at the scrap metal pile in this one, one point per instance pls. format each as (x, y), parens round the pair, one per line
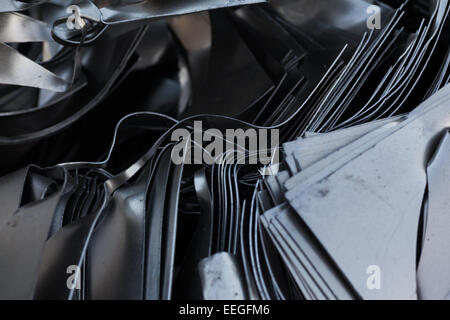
(224, 149)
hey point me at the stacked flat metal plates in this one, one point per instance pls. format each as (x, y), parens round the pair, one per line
(93, 206)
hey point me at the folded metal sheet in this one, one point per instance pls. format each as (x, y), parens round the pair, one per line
(16, 27)
(376, 197)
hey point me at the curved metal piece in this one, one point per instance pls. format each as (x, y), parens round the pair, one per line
(24, 229)
(16, 27)
(18, 5)
(17, 69)
(154, 9)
